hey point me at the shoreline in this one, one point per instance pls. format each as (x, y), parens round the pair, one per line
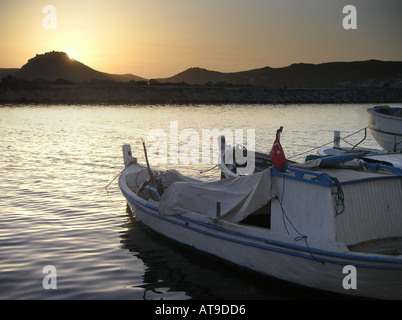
(191, 94)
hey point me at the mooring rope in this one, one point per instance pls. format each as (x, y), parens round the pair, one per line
(114, 179)
(325, 144)
(285, 217)
(355, 145)
(203, 171)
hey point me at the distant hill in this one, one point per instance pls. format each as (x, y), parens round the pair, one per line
(332, 74)
(6, 71)
(198, 76)
(58, 65)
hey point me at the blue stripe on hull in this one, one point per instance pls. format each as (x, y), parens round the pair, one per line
(280, 246)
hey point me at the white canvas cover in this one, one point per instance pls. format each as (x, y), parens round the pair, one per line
(238, 197)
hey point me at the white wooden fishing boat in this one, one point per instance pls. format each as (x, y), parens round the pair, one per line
(385, 124)
(331, 229)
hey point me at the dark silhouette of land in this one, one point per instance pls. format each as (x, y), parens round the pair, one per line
(58, 65)
(302, 75)
(55, 78)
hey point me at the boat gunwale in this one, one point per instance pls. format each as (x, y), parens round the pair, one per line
(373, 111)
(329, 183)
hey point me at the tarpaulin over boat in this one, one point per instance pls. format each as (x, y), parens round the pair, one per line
(238, 197)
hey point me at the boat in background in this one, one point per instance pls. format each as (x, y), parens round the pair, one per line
(385, 124)
(337, 230)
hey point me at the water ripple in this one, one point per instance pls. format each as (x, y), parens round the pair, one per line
(55, 162)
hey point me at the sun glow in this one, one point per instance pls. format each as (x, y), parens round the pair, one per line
(117, 37)
(71, 55)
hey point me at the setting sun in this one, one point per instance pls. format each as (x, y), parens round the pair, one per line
(71, 55)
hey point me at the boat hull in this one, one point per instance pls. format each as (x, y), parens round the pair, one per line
(263, 252)
(386, 130)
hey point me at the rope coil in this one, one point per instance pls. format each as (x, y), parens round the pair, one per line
(339, 197)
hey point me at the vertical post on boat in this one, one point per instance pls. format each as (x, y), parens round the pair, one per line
(222, 146)
(128, 156)
(151, 176)
(337, 139)
(218, 210)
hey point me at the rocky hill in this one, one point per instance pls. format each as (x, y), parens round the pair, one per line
(334, 74)
(58, 65)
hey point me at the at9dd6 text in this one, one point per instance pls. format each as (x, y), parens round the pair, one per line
(211, 309)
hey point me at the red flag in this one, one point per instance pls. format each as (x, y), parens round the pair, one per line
(277, 155)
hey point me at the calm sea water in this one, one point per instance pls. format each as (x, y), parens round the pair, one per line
(55, 162)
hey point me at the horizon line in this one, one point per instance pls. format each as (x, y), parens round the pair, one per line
(206, 69)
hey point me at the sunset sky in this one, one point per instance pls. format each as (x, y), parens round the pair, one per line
(160, 38)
